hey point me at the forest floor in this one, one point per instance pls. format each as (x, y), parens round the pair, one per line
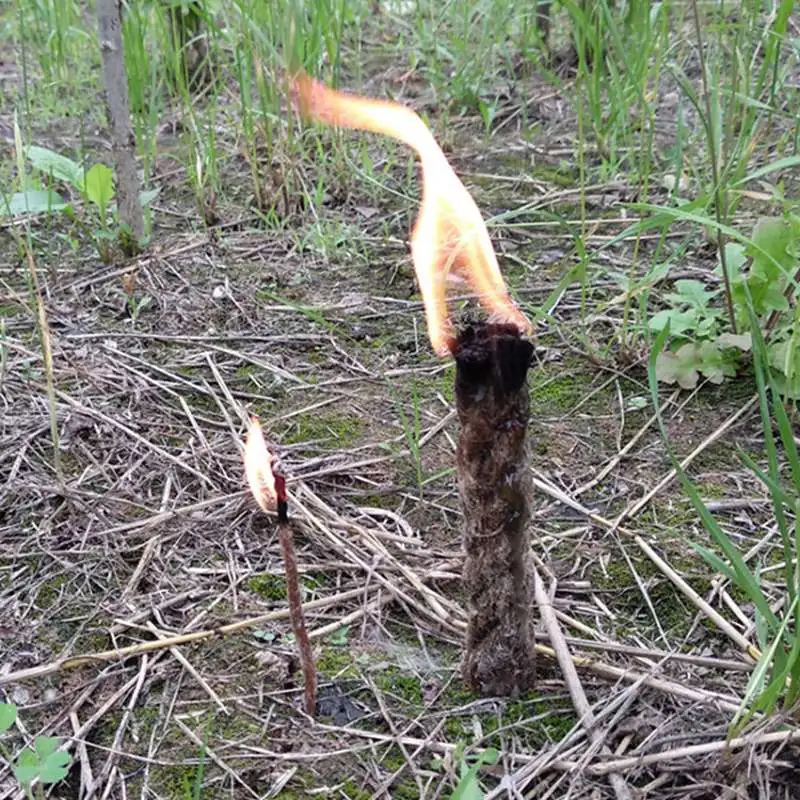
(140, 526)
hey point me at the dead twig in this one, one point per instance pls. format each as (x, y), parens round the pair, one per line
(570, 673)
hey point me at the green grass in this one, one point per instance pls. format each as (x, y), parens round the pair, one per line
(599, 184)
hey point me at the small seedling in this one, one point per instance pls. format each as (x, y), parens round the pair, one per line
(340, 636)
(35, 766)
(701, 342)
(95, 185)
(468, 787)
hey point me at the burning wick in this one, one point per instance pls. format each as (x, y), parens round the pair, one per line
(269, 489)
(449, 234)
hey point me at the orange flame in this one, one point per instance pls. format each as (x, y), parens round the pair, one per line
(449, 233)
(258, 468)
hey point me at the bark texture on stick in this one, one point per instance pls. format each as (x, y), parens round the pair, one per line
(123, 142)
(494, 486)
(294, 597)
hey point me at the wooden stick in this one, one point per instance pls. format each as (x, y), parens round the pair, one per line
(295, 602)
(570, 673)
(493, 487)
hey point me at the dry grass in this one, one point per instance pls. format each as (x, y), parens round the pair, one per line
(141, 596)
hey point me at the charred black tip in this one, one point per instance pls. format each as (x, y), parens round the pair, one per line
(491, 353)
(283, 512)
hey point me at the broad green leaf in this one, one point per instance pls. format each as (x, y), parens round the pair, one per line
(714, 364)
(741, 341)
(773, 237)
(54, 767)
(636, 403)
(692, 292)
(681, 366)
(146, 197)
(45, 745)
(679, 321)
(707, 324)
(26, 770)
(52, 163)
(774, 299)
(735, 257)
(789, 388)
(100, 186)
(8, 714)
(33, 201)
(339, 637)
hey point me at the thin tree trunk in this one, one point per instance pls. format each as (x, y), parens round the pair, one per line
(123, 142)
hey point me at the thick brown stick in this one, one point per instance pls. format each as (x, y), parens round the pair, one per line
(494, 486)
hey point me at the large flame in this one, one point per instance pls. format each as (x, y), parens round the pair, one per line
(258, 468)
(449, 233)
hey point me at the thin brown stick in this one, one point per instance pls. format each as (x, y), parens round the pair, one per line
(297, 617)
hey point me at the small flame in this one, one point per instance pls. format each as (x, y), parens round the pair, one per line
(258, 468)
(449, 233)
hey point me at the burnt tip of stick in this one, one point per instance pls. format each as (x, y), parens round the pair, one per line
(491, 353)
(283, 505)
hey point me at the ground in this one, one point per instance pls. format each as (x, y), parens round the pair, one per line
(128, 519)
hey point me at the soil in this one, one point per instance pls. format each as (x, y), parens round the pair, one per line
(125, 516)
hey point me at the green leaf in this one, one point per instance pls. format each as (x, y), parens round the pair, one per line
(714, 561)
(735, 258)
(26, 770)
(663, 216)
(8, 715)
(679, 321)
(692, 292)
(146, 197)
(340, 636)
(52, 163)
(773, 299)
(740, 341)
(32, 201)
(707, 325)
(55, 767)
(100, 186)
(681, 366)
(714, 363)
(773, 244)
(468, 787)
(781, 163)
(766, 697)
(744, 578)
(636, 403)
(45, 745)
